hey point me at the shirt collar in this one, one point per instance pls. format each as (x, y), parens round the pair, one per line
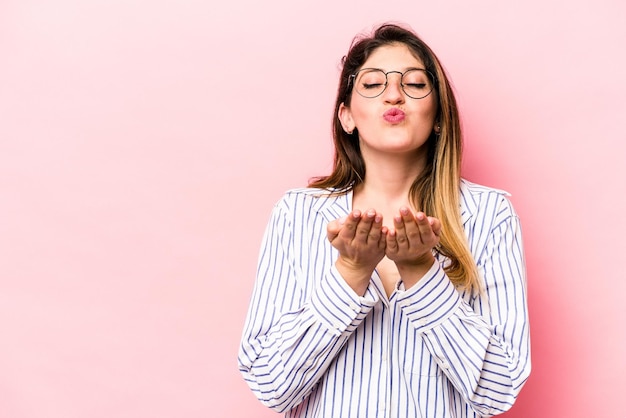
(336, 206)
(333, 206)
(467, 202)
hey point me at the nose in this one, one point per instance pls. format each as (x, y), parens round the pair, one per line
(393, 92)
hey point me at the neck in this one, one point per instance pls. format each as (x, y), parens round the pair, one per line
(390, 176)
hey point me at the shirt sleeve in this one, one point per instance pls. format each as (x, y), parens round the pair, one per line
(482, 344)
(295, 325)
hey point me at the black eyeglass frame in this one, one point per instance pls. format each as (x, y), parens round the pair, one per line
(352, 81)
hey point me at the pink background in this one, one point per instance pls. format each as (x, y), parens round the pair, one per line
(143, 143)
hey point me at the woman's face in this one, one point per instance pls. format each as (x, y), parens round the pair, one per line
(392, 122)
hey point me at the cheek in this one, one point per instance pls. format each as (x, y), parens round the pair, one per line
(362, 114)
(428, 111)
(434, 106)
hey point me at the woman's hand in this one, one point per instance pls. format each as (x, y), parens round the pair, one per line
(410, 244)
(360, 239)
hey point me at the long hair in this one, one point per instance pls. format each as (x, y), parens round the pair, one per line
(436, 190)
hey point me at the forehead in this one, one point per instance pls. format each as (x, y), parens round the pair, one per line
(396, 56)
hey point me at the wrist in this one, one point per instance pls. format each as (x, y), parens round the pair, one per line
(357, 277)
(412, 271)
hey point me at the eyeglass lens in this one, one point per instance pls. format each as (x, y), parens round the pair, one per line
(371, 83)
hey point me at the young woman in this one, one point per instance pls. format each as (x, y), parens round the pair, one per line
(391, 287)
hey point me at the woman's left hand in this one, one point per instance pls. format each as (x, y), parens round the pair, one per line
(411, 241)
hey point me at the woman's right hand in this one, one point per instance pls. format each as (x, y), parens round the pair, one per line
(360, 239)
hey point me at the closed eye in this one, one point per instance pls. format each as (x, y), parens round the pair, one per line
(372, 86)
(416, 85)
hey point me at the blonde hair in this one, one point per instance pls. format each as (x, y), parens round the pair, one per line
(436, 191)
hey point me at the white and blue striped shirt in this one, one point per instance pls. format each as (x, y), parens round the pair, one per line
(312, 347)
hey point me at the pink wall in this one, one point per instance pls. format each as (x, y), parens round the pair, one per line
(143, 143)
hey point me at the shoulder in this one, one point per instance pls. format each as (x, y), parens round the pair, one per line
(477, 200)
(308, 202)
(307, 195)
(474, 189)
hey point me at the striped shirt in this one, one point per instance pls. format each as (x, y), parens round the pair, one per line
(311, 347)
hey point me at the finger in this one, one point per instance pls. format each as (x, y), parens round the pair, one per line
(349, 226)
(333, 228)
(382, 242)
(365, 226)
(427, 235)
(376, 229)
(391, 243)
(410, 225)
(435, 225)
(400, 231)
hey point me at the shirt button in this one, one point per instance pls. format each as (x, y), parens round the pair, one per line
(353, 306)
(423, 322)
(309, 363)
(337, 325)
(445, 365)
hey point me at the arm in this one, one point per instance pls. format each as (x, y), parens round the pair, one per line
(482, 349)
(296, 323)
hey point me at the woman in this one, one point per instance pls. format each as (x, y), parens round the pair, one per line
(391, 287)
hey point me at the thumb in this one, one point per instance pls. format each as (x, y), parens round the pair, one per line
(333, 228)
(435, 224)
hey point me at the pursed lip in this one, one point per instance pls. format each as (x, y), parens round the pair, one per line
(394, 115)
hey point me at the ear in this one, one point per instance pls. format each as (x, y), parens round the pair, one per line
(345, 117)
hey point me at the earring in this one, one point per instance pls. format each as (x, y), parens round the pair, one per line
(437, 129)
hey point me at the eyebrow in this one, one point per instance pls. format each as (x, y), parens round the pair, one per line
(391, 71)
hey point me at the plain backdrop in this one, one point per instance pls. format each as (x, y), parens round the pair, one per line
(143, 144)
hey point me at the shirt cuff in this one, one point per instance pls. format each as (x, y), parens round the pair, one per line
(337, 306)
(431, 300)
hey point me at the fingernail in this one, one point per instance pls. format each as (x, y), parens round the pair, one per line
(342, 221)
(404, 211)
(378, 219)
(356, 214)
(420, 216)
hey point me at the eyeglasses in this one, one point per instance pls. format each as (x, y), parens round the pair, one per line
(416, 83)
